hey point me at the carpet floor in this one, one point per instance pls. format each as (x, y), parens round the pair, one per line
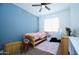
(35, 51)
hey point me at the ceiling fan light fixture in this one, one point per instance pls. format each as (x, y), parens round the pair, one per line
(43, 6)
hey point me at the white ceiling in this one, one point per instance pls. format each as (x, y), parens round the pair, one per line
(55, 7)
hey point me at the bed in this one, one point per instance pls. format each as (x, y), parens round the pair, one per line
(36, 38)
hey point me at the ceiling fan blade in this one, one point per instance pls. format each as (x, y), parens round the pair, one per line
(40, 9)
(36, 5)
(47, 8)
(45, 3)
(48, 3)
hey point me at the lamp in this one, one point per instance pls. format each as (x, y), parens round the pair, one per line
(68, 30)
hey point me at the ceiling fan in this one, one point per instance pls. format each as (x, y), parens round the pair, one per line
(42, 5)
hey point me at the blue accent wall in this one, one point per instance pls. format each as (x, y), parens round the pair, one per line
(14, 23)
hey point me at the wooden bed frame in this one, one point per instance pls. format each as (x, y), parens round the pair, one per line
(34, 41)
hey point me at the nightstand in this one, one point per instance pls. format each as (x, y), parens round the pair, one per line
(64, 45)
(25, 45)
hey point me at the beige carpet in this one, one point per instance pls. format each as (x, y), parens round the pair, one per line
(51, 47)
(35, 51)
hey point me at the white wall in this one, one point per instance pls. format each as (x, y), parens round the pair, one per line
(64, 18)
(75, 18)
(68, 17)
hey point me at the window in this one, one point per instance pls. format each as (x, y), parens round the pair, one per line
(51, 25)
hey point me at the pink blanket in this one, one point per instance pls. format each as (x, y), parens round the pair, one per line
(37, 35)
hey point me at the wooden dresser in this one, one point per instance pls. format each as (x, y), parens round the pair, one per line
(64, 45)
(13, 47)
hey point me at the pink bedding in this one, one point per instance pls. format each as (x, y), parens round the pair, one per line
(37, 35)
